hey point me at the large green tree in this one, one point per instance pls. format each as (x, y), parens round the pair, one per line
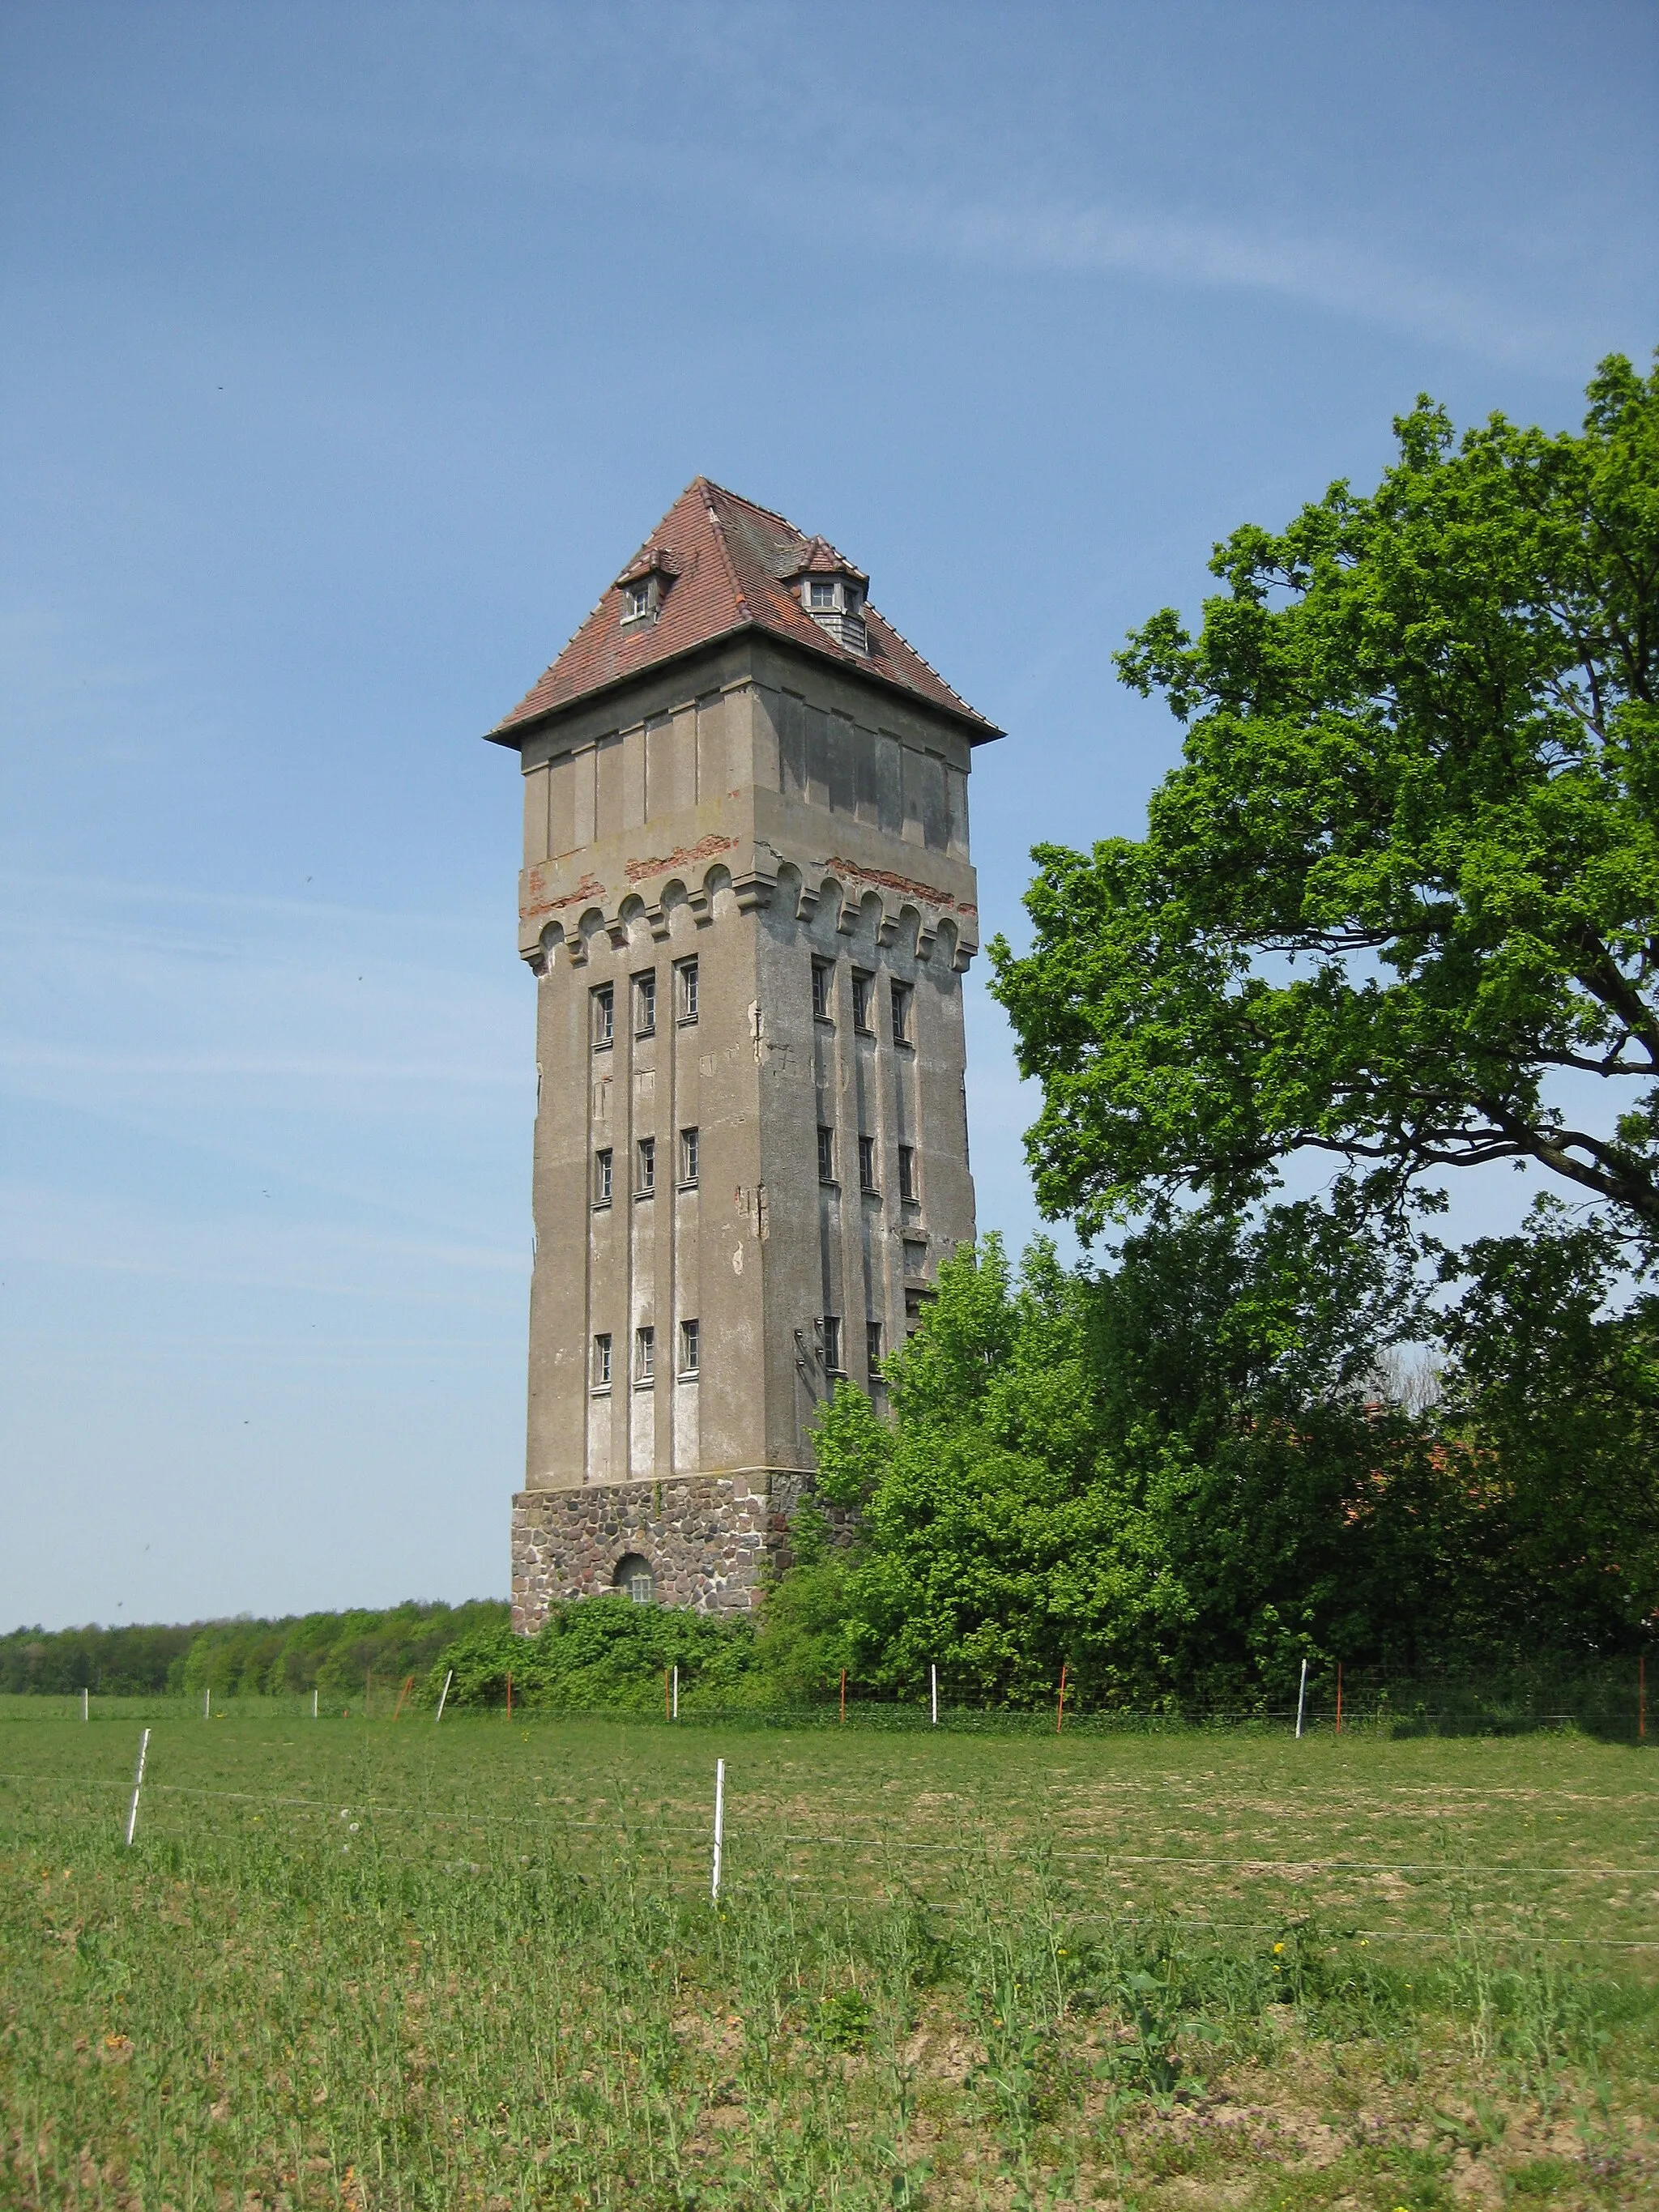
(1172, 1476)
(1399, 903)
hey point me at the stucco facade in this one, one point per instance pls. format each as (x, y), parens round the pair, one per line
(748, 901)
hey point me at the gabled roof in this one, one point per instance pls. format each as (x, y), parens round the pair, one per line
(724, 565)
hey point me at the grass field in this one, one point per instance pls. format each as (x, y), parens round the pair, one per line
(378, 1964)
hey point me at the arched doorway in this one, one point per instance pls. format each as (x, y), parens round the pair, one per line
(634, 1579)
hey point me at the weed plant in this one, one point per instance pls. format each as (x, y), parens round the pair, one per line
(478, 1965)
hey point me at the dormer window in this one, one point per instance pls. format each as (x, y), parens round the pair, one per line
(834, 598)
(645, 584)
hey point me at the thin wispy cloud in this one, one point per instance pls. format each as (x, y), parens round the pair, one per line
(66, 1230)
(1002, 173)
(57, 1059)
(1339, 276)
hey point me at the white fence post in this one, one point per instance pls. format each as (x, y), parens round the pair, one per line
(137, 1784)
(1301, 1698)
(675, 1714)
(207, 1704)
(313, 1705)
(934, 1673)
(86, 1704)
(443, 1695)
(719, 1826)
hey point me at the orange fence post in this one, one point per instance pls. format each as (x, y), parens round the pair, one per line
(1641, 1696)
(1059, 1716)
(509, 1693)
(843, 1696)
(1338, 1697)
(667, 1697)
(409, 1684)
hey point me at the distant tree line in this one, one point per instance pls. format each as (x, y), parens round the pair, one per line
(333, 1652)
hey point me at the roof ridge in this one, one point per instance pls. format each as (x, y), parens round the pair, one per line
(716, 523)
(754, 506)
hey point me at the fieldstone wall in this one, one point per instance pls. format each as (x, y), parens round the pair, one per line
(711, 1540)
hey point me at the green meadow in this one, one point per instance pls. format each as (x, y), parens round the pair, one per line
(400, 1965)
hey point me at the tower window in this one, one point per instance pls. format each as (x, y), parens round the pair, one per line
(900, 1013)
(822, 984)
(637, 600)
(634, 1579)
(690, 1347)
(866, 1162)
(645, 1182)
(602, 1178)
(820, 593)
(604, 1003)
(645, 1005)
(602, 1362)
(863, 991)
(645, 1355)
(689, 1151)
(687, 974)
(907, 1170)
(872, 1348)
(832, 1345)
(826, 1153)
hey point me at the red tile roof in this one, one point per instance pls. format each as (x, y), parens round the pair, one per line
(724, 565)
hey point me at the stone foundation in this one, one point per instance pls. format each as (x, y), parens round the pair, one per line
(711, 1540)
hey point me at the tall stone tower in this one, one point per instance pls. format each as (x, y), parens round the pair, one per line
(747, 898)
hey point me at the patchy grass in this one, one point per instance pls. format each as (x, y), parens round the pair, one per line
(476, 1966)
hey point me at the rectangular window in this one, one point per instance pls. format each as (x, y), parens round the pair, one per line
(821, 592)
(915, 1258)
(687, 973)
(690, 1347)
(907, 1170)
(602, 1362)
(687, 1156)
(636, 601)
(822, 984)
(602, 1178)
(863, 991)
(872, 1348)
(900, 1013)
(603, 1002)
(866, 1162)
(645, 1355)
(646, 1183)
(832, 1344)
(645, 1005)
(826, 1153)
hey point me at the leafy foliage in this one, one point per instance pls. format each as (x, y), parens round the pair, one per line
(606, 1651)
(1554, 1389)
(1404, 880)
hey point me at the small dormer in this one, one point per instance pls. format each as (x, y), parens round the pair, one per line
(833, 593)
(644, 585)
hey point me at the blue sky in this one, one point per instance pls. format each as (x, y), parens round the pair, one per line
(346, 354)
